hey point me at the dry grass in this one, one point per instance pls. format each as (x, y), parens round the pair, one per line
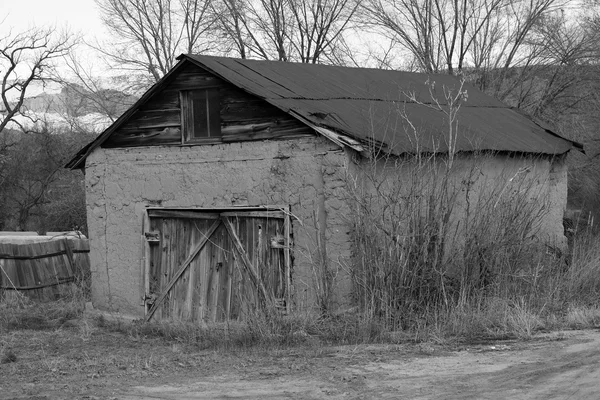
(411, 283)
(420, 268)
(17, 311)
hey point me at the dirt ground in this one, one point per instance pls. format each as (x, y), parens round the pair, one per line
(80, 363)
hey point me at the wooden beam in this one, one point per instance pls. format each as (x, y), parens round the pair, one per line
(268, 134)
(58, 281)
(145, 263)
(337, 138)
(237, 129)
(4, 256)
(181, 269)
(256, 214)
(158, 213)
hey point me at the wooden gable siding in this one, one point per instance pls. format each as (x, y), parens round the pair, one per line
(243, 116)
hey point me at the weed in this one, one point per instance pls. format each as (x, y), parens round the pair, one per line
(8, 357)
(441, 251)
(582, 317)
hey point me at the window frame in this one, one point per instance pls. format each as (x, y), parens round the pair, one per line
(211, 128)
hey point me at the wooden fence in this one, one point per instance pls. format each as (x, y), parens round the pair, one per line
(44, 270)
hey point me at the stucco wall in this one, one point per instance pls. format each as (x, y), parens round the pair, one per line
(310, 175)
(542, 179)
(121, 183)
(424, 221)
(474, 184)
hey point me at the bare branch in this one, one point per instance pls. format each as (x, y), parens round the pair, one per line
(308, 31)
(26, 57)
(149, 35)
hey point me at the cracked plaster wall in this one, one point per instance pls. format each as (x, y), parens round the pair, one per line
(542, 178)
(306, 174)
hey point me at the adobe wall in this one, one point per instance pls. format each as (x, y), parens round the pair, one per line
(542, 178)
(121, 183)
(482, 183)
(308, 174)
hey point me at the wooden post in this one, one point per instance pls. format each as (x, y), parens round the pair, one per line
(69, 256)
(145, 262)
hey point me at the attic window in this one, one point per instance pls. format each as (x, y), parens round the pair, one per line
(200, 114)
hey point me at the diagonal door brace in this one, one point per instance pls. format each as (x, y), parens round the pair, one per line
(181, 269)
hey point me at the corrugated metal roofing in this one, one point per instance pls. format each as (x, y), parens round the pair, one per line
(370, 104)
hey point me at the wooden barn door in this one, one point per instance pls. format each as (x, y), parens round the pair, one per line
(215, 266)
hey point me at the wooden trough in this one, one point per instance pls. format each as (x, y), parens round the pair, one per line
(44, 268)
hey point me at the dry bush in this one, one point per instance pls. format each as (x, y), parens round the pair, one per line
(441, 250)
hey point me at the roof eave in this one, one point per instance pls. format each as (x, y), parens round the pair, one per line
(578, 146)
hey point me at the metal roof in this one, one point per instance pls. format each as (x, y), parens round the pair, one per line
(373, 106)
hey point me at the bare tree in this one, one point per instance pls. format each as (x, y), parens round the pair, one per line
(93, 94)
(27, 57)
(149, 35)
(513, 48)
(320, 24)
(37, 186)
(256, 29)
(450, 35)
(306, 31)
(561, 77)
(268, 25)
(230, 22)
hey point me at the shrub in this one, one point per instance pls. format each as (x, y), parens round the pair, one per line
(441, 248)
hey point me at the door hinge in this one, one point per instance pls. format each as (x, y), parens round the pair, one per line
(152, 237)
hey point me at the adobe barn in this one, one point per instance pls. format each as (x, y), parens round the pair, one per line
(224, 185)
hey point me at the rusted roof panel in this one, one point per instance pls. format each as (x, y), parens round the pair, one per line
(376, 104)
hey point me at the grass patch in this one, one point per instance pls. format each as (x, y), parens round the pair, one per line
(17, 311)
(559, 296)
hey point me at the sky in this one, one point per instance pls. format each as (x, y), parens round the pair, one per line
(80, 15)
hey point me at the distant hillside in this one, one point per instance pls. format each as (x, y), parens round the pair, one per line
(75, 101)
(71, 104)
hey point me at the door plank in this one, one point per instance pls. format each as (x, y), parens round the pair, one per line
(189, 312)
(210, 298)
(227, 293)
(182, 268)
(145, 262)
(287, 262)
(256, 281)
(160, 213)
(216, 289)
